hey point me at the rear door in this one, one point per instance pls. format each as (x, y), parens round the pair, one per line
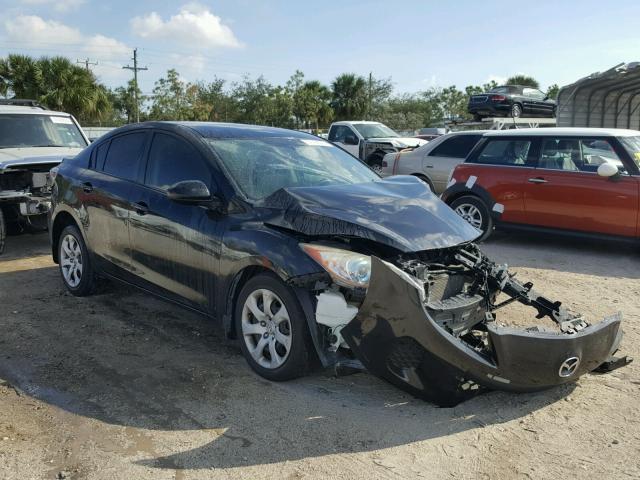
(566, 192)
(530, 101)
(440, 162)
(106, 196)
(174, 246)
(500, 166)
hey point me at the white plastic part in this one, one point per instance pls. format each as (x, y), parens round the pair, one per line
(498, 207)
(471, 181)
(333, 310)
(607, 170)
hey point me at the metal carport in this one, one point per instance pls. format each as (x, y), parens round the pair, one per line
(609, 99)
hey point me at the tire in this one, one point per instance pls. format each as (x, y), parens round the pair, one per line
(289, 337)
(476, 213)
(74, 262)
(3, 231)
(516, 110)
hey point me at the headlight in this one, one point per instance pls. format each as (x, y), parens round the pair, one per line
(349, 269)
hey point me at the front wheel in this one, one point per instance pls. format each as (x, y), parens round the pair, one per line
(272, 328)
(74, 262)
(476, 213)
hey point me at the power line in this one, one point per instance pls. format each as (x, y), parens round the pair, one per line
(86, 63)
(135, 69)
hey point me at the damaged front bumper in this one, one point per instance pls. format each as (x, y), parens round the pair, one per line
(399, 335)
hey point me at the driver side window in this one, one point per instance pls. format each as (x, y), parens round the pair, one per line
(340, 132)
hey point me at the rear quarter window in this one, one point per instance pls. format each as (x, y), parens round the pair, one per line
(458, 146)
(514, 152)
(124, 156)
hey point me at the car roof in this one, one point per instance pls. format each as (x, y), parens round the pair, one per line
(565, 131)
(466, 132)
(218, 129)
(348, 122)
(24, 110)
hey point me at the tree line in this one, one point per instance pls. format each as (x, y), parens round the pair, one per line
(59, 84)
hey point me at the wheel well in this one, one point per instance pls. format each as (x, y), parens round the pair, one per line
(237, 283)
(63, 220)
(377, 155)
(458, 195)
(424, 178)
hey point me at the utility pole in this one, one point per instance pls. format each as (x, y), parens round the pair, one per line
(86, 63)
(370, 94)
(135, 69)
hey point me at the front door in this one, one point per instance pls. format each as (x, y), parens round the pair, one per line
(339, 134)
(566, 192)
(174, 246)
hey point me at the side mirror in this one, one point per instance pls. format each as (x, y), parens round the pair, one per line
(351, 140)
(189, 191)
(607, 170)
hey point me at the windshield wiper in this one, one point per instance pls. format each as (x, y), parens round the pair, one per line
(49, 145)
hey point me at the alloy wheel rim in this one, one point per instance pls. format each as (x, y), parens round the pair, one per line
(471, 214)
(266, 328)
(71, 261)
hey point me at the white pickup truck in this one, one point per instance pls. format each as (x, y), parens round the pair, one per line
(370, 141)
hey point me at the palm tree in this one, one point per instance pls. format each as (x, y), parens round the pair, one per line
(20, 76)
(349, 96)
(525, 80)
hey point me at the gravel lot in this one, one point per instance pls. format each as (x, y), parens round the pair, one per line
(122, 386)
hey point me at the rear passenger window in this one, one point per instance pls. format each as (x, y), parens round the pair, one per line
(457, 146)
(505, 152)
(172, 160)
(124, 156)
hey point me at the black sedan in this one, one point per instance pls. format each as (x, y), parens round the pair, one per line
(511, 101)
(308, 258)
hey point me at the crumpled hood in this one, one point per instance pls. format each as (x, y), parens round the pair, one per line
(14, 157)
(400, 212)
(400, 142)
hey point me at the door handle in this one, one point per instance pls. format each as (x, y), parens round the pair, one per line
(428, 166)
(538, 180)
(87, 187)
(141, 208)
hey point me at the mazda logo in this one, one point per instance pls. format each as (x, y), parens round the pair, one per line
(569, 367)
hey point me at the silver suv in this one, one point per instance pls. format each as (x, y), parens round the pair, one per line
(32, 141)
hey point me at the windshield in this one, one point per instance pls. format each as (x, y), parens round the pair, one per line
(632, 144)
(261, 166)
(374, 130)
(20, 131)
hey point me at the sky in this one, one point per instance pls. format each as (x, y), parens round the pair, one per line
(418, 43)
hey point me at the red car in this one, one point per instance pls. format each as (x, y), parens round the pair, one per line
(577, 180)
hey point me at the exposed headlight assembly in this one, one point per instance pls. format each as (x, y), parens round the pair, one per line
(349, 269)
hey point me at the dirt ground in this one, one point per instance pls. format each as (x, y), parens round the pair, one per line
(123, 386)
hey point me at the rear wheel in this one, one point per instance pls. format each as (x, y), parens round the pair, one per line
(74, 262)
(516, 110)
(476, 213)
(272, 327)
